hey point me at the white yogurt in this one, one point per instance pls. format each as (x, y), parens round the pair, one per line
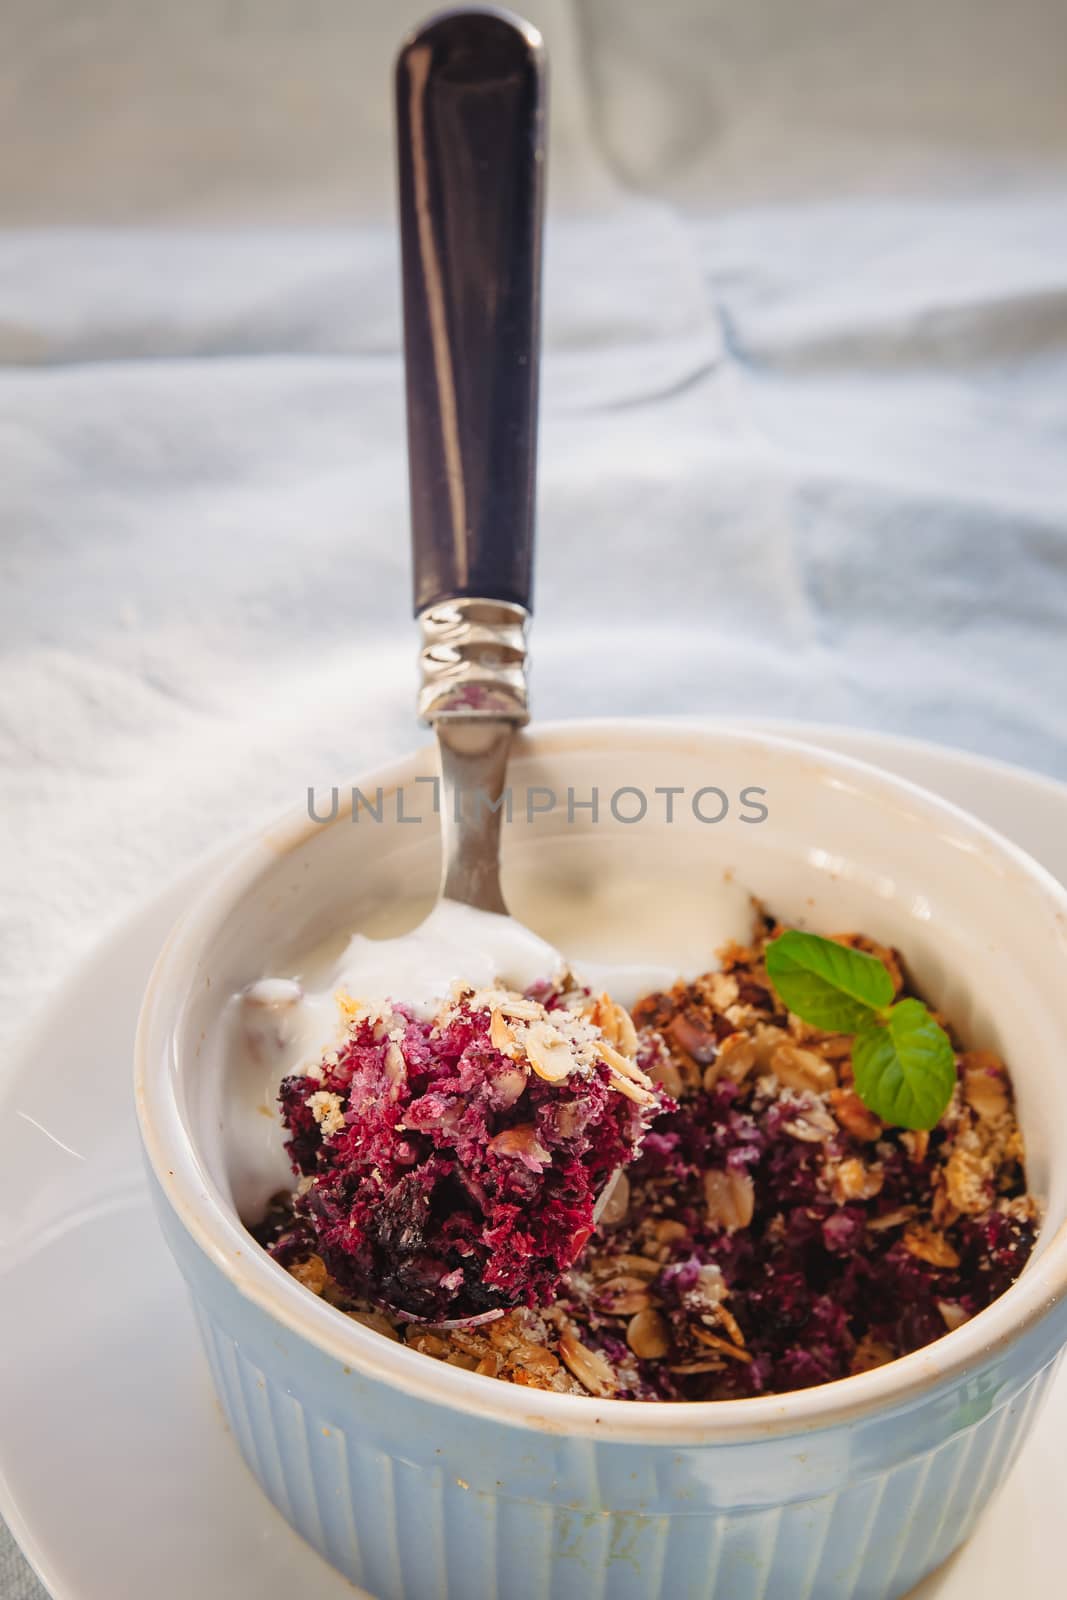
(455, 944)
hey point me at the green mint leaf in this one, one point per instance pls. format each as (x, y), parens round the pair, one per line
(905, 1067)
(825, 983)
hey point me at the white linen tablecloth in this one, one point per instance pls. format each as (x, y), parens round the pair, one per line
(804, 425)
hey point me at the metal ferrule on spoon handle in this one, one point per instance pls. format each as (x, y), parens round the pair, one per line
(473, 661)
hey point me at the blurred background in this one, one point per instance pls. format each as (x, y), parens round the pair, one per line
(804, 402)
(804, 425)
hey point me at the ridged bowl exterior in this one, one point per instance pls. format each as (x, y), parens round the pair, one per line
(414, 1500)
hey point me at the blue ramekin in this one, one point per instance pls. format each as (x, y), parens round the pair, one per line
(420, 1480)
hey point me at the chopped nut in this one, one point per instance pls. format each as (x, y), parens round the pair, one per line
(548, 1052)
(395, 1066)
(855, 1117)
(767, 1039)
(311, 1272)
(719, 989)
(616, 1202)
(383, 1023)
(802, 1069)
(502, 1334)
(891, 1219)
(967, 1180)
(870, 1353)
(691, 1034)
(984, 1082)
(510, 1085)
(522, 1142)
(812, 1123)
(514, 1006)
(723, 1346)
(953, 1314)
(803, 1032)
(501, 1037)
(730, 1199)
(640, 1266)
(736, 1058)
(627, 1031)
(648, 1335)
(836, 1047)
(375, 1320)
(956, 1112)
(328, 1111)
(743, 1017)
(611, 1266)
(632, 1091)
(600, 1011)
(535, 1358)
(928, 1245)
(623, 1066)
(624, 1296)
(590, 1367)
(916, 1142)
(709, 1291)
(614, 1022)
(942, 1212)
(427, 1344)
(664, 1071)
(855, 1181)
(731, 1325)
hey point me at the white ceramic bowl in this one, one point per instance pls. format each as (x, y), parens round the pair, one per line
(417, 1479)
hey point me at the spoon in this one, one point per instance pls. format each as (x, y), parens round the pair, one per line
(470, 96)
(470, 100)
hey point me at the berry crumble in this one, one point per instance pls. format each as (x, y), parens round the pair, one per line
(764, 1230)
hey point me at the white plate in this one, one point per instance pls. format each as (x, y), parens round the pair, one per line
(117, 1475)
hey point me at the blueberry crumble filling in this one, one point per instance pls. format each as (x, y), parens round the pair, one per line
(691, 1202)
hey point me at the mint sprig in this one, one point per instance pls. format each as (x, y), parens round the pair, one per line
(902, 1059)
(826, 983)
(904, 1066)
